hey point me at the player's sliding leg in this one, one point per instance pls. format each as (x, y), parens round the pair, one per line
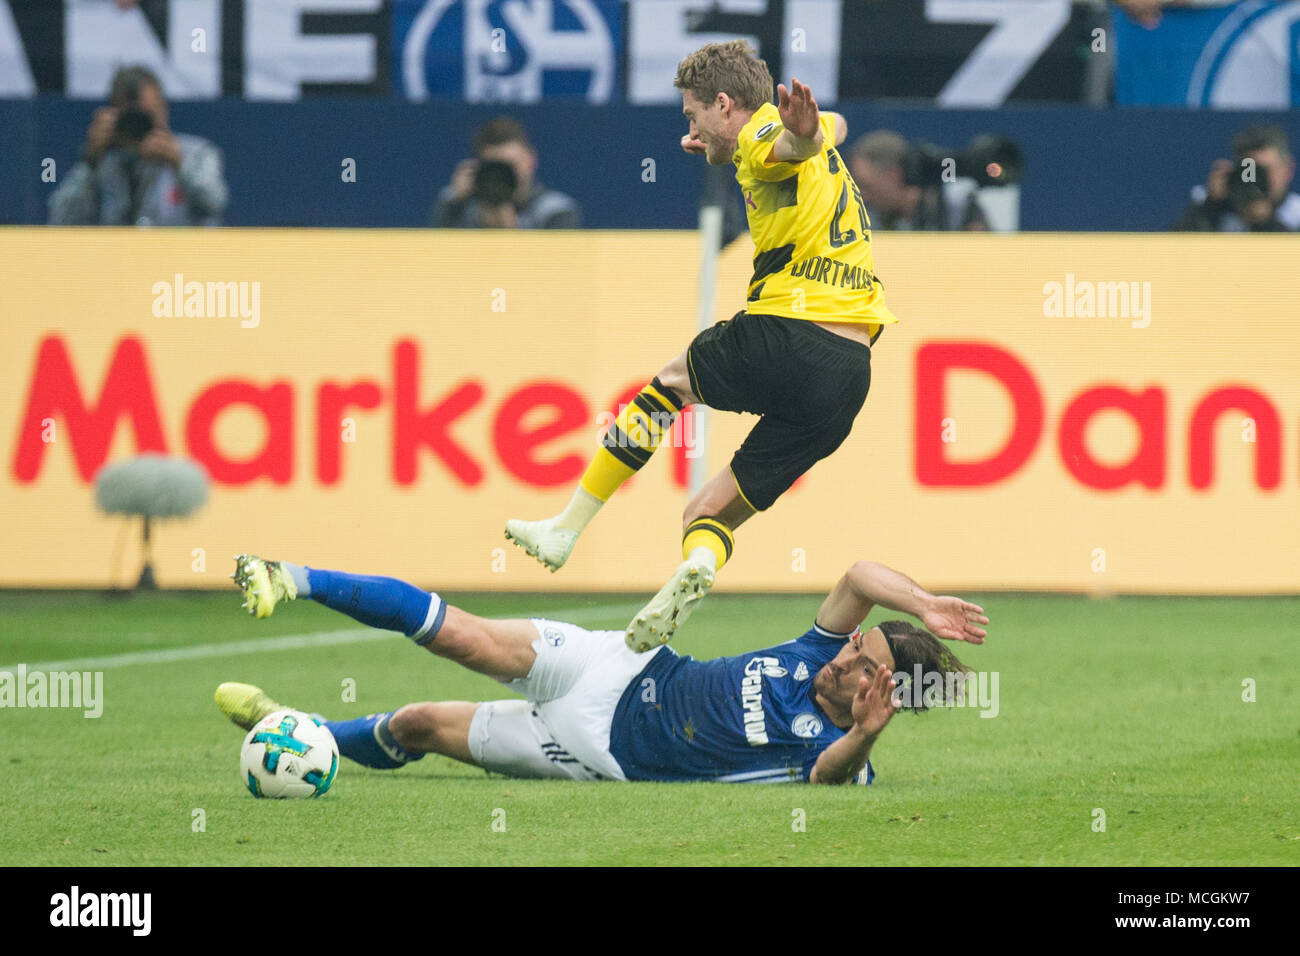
(390, 740)
(628, 444)
(502, 650)
(708, 539)
(497, 735)
(384, 741)
(380, 602)
(368, 740)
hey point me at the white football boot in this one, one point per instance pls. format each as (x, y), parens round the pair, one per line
(543, 540)
(668, 610)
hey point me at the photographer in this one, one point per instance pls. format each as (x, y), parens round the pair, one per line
(1250, 192)
(923, 187)
(496, 188)
(135, 171)
(877, 163)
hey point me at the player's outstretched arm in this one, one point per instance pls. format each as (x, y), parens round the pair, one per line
(873, 706)
(865, 585)
(802, 136)
(950, 618)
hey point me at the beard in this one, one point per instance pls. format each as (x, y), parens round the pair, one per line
(717, 154)
(823, 683)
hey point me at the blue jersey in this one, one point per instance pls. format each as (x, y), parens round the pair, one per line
(749, 718)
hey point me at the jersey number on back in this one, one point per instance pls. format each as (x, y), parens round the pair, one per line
(838, 238)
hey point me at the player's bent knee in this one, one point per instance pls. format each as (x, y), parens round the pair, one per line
(414, 726)
(675, 376)
(440, 727)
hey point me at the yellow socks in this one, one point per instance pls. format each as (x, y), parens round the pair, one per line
(707, 538)
(629, 443)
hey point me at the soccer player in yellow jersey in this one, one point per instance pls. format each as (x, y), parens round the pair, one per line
(799, 355)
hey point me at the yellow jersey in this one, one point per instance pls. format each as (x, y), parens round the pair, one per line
(812, 237)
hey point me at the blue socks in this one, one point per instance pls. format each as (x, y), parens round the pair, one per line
(385, 603)
(368, 741)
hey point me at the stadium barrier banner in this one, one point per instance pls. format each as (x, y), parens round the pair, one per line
(1067, 412)
(597, 51)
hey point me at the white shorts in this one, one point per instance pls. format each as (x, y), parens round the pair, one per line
(562, 729)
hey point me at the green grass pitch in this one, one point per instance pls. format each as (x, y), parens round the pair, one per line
(1130, 705)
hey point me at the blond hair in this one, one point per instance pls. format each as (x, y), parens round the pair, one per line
(732, 68)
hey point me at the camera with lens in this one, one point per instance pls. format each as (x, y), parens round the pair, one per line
(1243, 193)
(990, 160)
(133, 125)
(495, 182)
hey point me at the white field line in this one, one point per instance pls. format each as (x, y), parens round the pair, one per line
(288, 642)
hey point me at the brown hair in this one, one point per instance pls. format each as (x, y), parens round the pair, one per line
(498, 132)
(913, 646)
(732, 68)
(882, 148)
(1254, 138)
(127, 81)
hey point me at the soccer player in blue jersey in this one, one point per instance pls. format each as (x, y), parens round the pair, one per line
(809, 709)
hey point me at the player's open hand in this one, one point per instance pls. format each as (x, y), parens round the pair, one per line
(955, 620)
(798, 109)
(692, 145)
(874, 703)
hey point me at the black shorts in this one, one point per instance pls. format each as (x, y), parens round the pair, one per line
(808, 385)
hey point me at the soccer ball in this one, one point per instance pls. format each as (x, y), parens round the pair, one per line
(288, 754)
